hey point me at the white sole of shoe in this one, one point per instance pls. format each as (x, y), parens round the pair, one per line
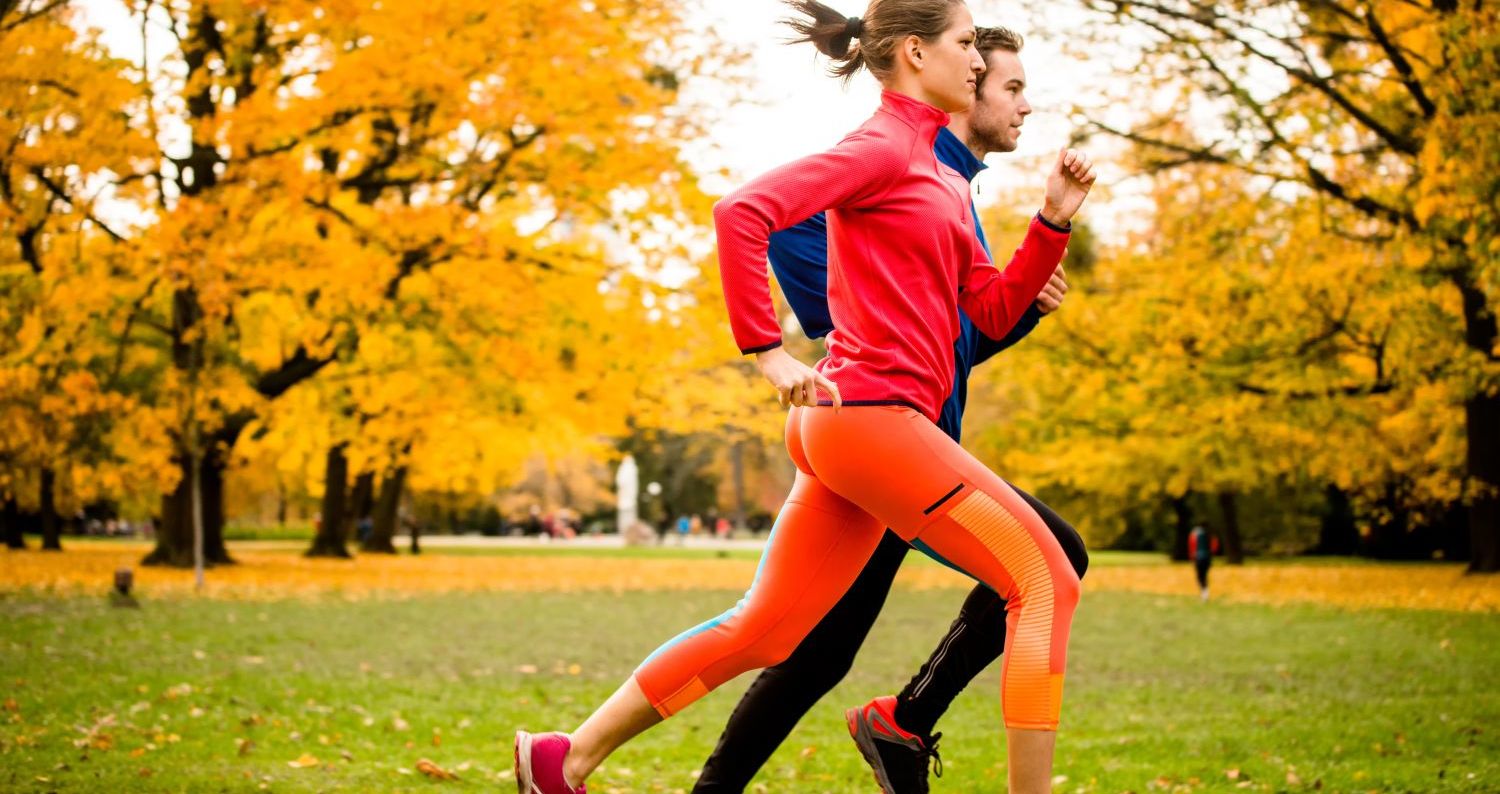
(525, 783)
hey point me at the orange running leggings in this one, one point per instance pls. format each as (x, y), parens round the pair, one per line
(861, 470)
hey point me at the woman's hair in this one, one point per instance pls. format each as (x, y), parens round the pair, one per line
(885, 25)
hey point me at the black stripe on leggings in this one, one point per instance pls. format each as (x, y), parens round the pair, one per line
(939, 503)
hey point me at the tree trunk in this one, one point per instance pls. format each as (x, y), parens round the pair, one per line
(332, 529)
(1183, 526)
(211, 482)
(1337, 533)
(383, 537)
(174, 537)
(10, 520)
(51, 525)
(1482, 412)
(1234, 548)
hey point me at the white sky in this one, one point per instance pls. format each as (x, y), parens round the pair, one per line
(797, 109)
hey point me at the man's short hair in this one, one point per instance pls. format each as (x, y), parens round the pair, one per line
(997, 38)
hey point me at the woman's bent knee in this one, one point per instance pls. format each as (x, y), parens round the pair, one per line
(1067, 589)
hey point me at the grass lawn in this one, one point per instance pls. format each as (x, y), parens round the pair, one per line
(318, 694)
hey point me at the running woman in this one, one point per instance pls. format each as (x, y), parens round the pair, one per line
(781, 695)
(903, 259)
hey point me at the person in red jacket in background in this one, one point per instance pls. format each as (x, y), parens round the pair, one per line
(1202, 547)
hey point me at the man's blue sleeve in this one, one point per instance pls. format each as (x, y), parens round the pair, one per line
(987, 347)
(799, 257)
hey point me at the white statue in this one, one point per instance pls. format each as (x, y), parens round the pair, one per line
(627, 491)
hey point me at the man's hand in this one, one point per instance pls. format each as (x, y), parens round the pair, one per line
(1052, 294)
(1067, 186)
(795, 382)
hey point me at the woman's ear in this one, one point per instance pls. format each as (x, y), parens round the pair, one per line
(912, 49)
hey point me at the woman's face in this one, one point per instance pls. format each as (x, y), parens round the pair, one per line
(950, 66)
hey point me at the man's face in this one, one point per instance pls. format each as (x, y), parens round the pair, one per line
(1000, 107)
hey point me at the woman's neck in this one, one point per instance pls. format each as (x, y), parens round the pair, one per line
(907, 84)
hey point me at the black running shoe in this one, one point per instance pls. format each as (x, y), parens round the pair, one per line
(898, 758)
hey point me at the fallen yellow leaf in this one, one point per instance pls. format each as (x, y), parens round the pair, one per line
(434, 771)
(307, 760)
(268, 574)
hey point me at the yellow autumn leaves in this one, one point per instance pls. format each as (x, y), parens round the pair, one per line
(424, 232)
(284, 573)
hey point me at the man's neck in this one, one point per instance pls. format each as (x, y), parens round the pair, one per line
(958, 124)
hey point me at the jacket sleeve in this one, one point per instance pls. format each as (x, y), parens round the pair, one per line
(859, 170)
(988, 348)
(996, 300)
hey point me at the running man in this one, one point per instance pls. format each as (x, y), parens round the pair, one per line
(781, 695)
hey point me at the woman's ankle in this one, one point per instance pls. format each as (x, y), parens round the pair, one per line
(575, 768)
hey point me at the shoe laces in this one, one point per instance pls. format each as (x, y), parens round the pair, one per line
(929, 750)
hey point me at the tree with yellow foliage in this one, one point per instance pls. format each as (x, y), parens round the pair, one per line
(434, 219)
(1384, 113)
(61, 367)
(1233, 349)
(386, 178)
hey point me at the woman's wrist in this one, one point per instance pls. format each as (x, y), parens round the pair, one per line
(1054, 216)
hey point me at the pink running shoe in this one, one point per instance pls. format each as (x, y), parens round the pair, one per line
(539, 763)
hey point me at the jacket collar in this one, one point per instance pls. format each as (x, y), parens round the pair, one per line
(919, 115)
(953, 153)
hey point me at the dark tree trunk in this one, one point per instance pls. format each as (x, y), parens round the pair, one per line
(51, 524)
(1182, 527)
(280, 504)
(174, 537)
(416, 533)
(1482, 412)
(1234, 548)
(332, 529)
(1338, 533)
(383, 537)
(10, 519)
(211, 483)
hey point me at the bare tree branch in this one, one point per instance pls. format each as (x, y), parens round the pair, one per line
(56, 190)
(1210, 19)
(1403, 66)
(44, 10)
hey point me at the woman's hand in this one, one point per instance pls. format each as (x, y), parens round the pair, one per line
(1068, 185)
(795, 382)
